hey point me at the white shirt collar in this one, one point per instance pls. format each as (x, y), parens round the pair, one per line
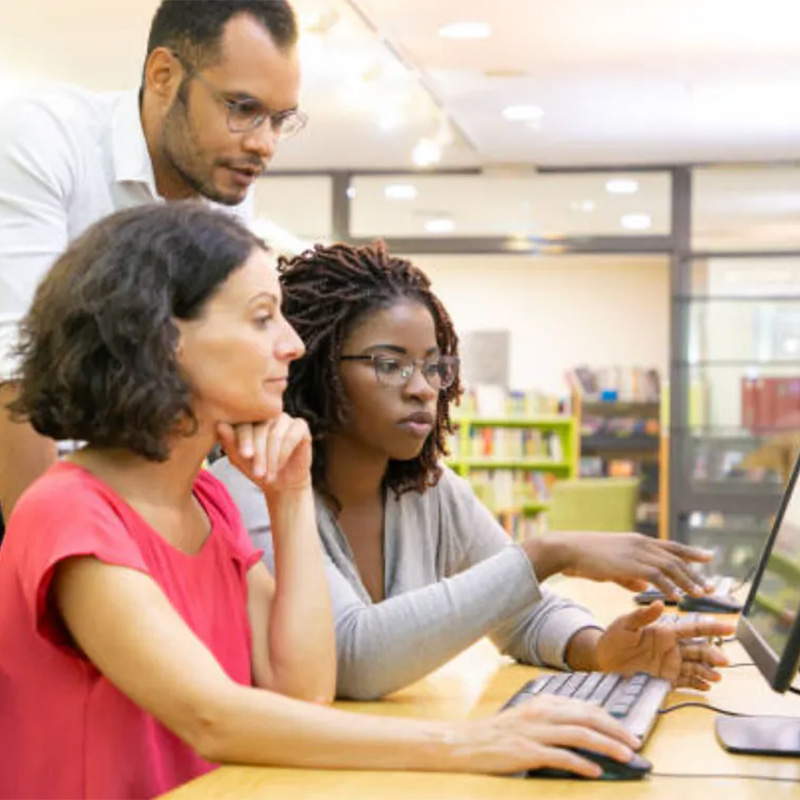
(131, 156)
(132, 162)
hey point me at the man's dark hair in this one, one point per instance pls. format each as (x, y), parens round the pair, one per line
(193, 28)
(326, 292)
(98, 345)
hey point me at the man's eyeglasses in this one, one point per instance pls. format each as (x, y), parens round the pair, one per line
(246, 114)
(396, 371)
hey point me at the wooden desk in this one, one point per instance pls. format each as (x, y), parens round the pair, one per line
(479, 681)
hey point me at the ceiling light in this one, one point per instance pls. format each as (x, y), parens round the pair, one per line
(351, 192)
(400, 191)
(465, 30)
(636, 222)
(442, 225)
(523, 113)
(622, 186)
(583, 205)
(426, 153)
(388, 120)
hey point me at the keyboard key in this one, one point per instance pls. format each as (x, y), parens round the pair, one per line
(588, 686)
(573, 684)
(603, 691)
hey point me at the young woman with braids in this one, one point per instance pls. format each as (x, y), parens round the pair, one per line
(418, 567)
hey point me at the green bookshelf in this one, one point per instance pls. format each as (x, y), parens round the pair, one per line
(544, 444)
(557, 441)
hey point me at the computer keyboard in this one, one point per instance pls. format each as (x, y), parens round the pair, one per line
(634, 701)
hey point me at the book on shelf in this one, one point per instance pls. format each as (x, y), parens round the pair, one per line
(770, 403)
(503, 490)
(510, 443)
(521, 527)
(486, 400)
(619, 426)
(616, 383)
(591, 467)
(621, 468)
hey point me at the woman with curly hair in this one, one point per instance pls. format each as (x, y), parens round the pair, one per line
(419, 568)
(142, 640)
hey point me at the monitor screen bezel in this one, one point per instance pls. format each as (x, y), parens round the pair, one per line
(778, 668)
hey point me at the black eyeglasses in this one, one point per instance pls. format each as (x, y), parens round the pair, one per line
(246, 114)
(396, 371)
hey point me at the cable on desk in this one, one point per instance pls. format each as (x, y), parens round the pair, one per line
(706, 706)
(747, 578)
(717, 776)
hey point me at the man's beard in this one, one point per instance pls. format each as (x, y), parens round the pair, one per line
(177, 140)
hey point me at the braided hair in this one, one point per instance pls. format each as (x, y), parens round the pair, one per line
(326, 291)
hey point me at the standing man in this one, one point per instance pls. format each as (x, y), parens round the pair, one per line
(219, 89)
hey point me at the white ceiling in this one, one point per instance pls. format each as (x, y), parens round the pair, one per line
(619, 81)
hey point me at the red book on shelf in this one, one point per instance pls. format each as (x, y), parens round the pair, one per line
(787, 402)
(748, 403)
(764, 404)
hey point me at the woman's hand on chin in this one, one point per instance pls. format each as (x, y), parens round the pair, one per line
(275, 455)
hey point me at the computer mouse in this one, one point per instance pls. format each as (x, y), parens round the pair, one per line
(633, 770)
(710, 604)
(652, 594)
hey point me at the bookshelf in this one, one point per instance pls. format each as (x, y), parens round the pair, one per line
(622, 433)
(621, 439)
(512, 463)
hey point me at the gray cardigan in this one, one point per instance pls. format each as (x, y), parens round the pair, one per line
(451, 576)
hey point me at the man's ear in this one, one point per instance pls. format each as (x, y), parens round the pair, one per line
(163, 74)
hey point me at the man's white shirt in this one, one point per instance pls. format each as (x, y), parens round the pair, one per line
(68, 157)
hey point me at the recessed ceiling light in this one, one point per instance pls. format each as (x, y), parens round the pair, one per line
(388, 120)
(622, 186)
(523, 113)
(400, 191)
(583, 205)
(466, 30)
(443, 225)
(426, 153)
(636, 222)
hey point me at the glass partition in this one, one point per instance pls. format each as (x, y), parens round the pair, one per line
(739, 369)
(512, 204)
(299, 205)
(745, 209)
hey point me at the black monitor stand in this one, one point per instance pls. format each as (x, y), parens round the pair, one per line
(760, 735)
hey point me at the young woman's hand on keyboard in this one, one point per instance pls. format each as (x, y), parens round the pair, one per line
(630, 559)
(677, 651)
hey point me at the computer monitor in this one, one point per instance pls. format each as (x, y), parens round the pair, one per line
(769, 629)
